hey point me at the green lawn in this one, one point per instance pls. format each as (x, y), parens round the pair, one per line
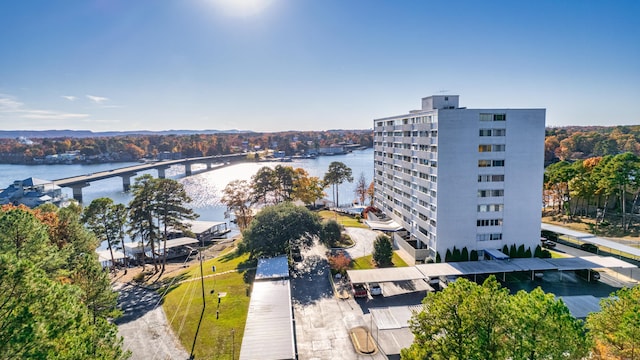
(183, 306)
(346, 220)
(366, 262)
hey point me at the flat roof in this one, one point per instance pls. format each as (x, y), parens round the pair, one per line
(438, 269)
(497, 254)
(581, 305)
(136, 248)
(384, 275)
(199, 227)
(588, 262)
(590, 238)
(105, 255)
(425, 271)
(268, 332)
(273, 268)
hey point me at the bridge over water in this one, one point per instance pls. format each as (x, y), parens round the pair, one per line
(77, 183)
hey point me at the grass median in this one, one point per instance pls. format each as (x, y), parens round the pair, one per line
(366, 262)
(221, 325)
(345, 220)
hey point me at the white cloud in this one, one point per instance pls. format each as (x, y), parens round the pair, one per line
(15, 108)
(9, 104)
(97, 99)
(50, 115)
(70, 97)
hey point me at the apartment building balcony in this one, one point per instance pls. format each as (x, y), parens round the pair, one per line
(414, 247)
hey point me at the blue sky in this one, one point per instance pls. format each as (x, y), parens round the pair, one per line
(272, 65)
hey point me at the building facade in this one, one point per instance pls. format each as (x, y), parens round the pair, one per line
(452, 176)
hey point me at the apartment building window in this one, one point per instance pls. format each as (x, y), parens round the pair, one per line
(493, 117)
(379, 123)
(490, 193)
(484, 148)
(490, 207)
(485, 132)
(499, 132)
(497, 163)
(490, 178)
(489, 222)
(498, 147)
(484, 163)
(487, 237)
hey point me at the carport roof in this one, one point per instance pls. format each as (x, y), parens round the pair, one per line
(588, 262)
(384, 275)
(533, 264)
(589, 238)
(438, 269)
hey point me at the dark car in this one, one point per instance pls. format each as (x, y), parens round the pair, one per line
(359, 290)
(584, 273)
(589, 247)
(548, 244)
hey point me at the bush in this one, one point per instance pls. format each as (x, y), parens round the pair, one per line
(382, 251)
(464, 256)
(473, 256)
(139, 277)
(340, 262)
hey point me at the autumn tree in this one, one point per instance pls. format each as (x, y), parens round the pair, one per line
(616, 327)
(238, 196)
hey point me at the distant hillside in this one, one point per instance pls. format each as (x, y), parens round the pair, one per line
(42, 134)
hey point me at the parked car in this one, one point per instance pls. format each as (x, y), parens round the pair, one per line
(589, 247)
(359, 290)
(374, 289)
(584, 273)
(548, 244)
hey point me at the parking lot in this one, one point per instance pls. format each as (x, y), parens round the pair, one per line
(323, 321)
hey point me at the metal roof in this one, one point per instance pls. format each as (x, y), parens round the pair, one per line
(273, 268)
(588, 262)
(590, 238)
(581, 305)
(268, 332)
(532, 264)
(199, 227)
(384, 275)
(105, 255)
(438, 269)
(135, 247)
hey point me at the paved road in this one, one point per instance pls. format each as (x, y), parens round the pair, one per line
(144, 326)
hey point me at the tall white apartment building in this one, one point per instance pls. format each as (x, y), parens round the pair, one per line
(460, 177)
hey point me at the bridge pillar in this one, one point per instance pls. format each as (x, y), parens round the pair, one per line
(161, 172)
(126, 181)
(77, 191)
(187, 169)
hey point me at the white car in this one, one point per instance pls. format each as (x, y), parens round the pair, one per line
(374, 289)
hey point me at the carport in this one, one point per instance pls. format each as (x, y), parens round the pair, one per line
(398, 276)
(614, 247)
(588, 262)
(533, 264)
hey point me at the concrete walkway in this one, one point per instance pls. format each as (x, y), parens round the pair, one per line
(144, 325)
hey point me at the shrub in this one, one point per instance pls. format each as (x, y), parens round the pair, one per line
(473, 256)
(382, 251)
(339, 262)
(464, 256)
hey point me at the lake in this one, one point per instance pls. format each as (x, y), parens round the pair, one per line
(205, 188)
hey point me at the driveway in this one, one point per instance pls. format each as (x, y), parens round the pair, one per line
(144, 325)
(364, 239)
(322, 321)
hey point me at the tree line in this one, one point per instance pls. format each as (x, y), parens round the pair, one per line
(134, 147)
(56, 302)
(594, 187)
(471, 321)
(583, 142)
